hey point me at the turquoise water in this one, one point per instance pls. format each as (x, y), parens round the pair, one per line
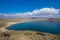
(42, 26)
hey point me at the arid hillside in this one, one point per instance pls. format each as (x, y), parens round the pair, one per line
(28, 35)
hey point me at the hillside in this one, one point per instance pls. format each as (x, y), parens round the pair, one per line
(28, 35)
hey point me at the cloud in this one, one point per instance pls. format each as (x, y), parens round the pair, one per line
(49, 11)
(44, 12)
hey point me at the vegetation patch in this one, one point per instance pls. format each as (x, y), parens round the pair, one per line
(27, 33)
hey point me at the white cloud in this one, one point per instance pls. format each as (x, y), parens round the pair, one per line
(44, 12)
(49, 10)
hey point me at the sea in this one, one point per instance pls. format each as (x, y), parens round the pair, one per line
(41, 26)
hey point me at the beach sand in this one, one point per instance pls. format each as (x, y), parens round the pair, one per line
(3, 29)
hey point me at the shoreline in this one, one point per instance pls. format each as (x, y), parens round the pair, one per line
(3, 29)
(8, 24)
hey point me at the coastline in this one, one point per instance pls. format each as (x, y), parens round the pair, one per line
(9, 23)
(3, 29)
(26, 35)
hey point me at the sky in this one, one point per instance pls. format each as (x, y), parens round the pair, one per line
(28, 8)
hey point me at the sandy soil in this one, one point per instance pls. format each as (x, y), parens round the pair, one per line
(9, 24)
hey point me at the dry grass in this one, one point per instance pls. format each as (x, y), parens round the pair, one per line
(28, 35)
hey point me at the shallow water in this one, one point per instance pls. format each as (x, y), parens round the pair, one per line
(42, 26)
